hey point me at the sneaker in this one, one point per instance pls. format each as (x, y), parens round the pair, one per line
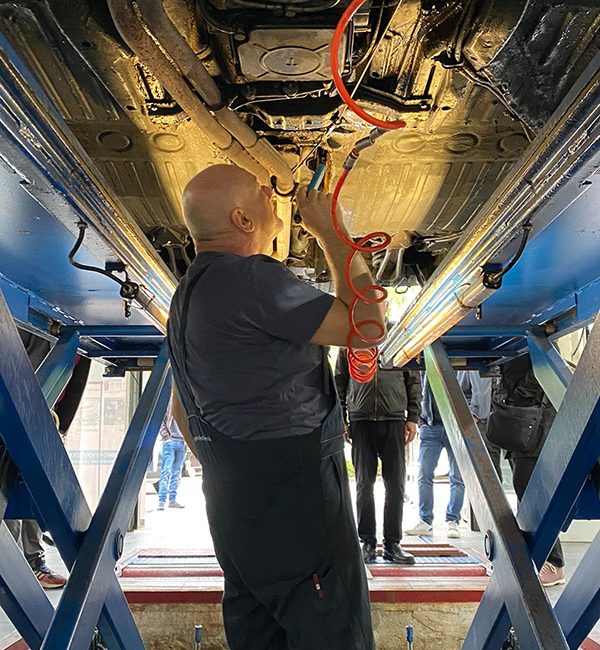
(422, 528)
(396, 554)
(369, 553)
(48, 579)
(453, 530)
(174, 504)
(161, 505)
(551, 576)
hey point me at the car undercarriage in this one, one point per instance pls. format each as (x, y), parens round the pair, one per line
(155, 91)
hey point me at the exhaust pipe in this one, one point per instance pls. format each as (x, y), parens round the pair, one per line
(183, 56)
(133, 32)
(168, 55)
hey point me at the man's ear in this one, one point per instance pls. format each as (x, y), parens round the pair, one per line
(242, 221)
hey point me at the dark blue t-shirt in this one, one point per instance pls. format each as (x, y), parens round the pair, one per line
(254, 373)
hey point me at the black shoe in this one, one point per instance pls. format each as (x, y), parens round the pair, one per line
(397, 555)
(369, 553)
(47, 539)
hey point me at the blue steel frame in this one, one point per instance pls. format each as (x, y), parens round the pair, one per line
(522, 594)
(88, 545)
(568, 456)
(21, 595)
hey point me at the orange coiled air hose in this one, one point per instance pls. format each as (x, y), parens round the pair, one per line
(362, 363)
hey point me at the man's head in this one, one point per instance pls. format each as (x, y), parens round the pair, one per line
(225, 208)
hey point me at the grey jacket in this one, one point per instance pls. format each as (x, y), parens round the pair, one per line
(391, 395)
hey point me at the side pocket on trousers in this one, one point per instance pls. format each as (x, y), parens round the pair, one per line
(332, 477)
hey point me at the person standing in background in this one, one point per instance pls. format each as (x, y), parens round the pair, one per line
(520, 420)
(28, 536)
(433, 439)
(173, 457)
(383, 416)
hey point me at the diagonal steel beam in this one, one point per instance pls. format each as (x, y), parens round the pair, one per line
(56, 369)
(33, 443)
(549, 367)
(529, 609)
(567, 457)
(21, 596)
(77, 614)
(578, 608)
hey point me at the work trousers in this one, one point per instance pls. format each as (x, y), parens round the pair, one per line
(432, 440)
(284, 534)
(522, 469)
(173, 457)
(28, 536)
(373, 440)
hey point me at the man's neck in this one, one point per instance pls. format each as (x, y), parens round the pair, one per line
(232, 247)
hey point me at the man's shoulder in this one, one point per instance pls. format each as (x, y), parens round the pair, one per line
(245, 265)
(262, 262)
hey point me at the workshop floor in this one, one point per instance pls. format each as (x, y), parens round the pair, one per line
(176, 529)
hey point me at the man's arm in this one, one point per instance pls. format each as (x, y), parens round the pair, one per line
(182, 422)
(342, 376)
(414, 392)
(315, 208)
(164, 432)
(412, 383)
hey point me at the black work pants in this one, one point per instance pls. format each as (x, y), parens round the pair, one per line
(284, 533)
(522, 468)
(373, 440)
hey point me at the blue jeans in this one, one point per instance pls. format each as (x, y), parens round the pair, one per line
(433, 440)
(173, 455)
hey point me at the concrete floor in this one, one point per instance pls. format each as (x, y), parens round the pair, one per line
(188, 529)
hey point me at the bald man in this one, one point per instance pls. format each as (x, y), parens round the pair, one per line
(247, 344)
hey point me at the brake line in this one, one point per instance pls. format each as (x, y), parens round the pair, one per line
(362, 363)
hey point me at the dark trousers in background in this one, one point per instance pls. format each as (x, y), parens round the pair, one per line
(373, 440)
(522, 468)
(28, 536)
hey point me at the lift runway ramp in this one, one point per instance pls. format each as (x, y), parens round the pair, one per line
(432, 560)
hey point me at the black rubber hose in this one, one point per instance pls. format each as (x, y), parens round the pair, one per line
(85, 267)
(527, 227)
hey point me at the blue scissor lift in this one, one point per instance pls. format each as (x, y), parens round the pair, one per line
(48, 185)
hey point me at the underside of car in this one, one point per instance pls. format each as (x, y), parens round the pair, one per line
(155, 92)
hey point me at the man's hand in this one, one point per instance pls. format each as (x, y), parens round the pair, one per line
(315, 208)
(410, 432)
